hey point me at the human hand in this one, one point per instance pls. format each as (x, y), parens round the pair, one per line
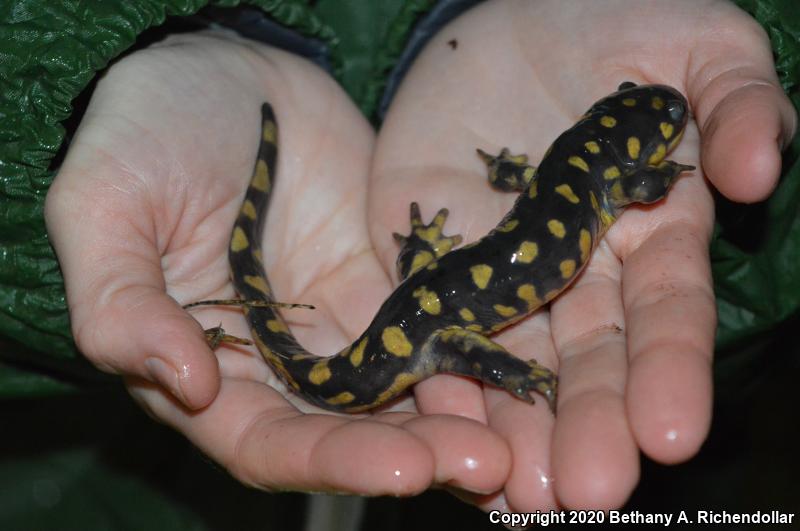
(140, 215)
(632, 340)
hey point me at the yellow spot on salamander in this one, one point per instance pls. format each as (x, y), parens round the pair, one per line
(533, 189)
(508, 226)
(466, 314)
(592, 147)
(567, 268)
(633, 147)
(428, 300)
(657, 103)
(249, 210)
(277, 326)
(505, 311)
(401, 382)
(239, 240)
(611, 173)
(257, 282)
(481, 274)
(552, 294)
(439, 219)
(357, 354)
(526, 253)
(276, 363)
(261, 177)
(617, 193)
(595, 204)
(566, 191)
(345, 397)
(269, 132)
(527, 293)
(429, 234)
(468, 340)
(258, 256)
(578, 163)
(396, 342)
(474, 327)
(629, 102)
(528, 174)
(585, 244)
(608, 121)
(658, 155)
(675, 140)
(319, 373)
(666, 130)
(556, 228)
(606, 218)
(420, 260)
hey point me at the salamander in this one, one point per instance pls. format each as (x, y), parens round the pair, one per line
(450, 300)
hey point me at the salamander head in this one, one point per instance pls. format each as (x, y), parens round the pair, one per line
(649, 121)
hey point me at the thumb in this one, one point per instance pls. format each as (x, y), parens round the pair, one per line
(122, 319)
(745, 118)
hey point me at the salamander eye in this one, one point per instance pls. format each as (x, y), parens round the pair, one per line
(676, 109)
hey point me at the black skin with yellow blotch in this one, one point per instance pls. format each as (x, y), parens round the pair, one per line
(439, 317)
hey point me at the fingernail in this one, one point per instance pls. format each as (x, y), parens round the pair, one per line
(165, 375)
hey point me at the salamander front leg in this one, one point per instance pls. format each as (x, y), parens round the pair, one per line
(507, 172)
(425, 244)
(460, 351)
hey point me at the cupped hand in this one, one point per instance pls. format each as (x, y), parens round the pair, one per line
(633, 338)
(140, 215)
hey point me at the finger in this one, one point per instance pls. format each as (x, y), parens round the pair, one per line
(671, 319)
(121, 317)
(264, 442)
(453, 395)
(526, 428)
(468, 455)
(595, 457)
(743, 139)
(744, 116)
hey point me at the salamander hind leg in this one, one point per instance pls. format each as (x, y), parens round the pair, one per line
(507, 172)
(425, 244)
(217, 335)
(460, 351)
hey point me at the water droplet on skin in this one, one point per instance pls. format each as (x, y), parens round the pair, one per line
(546, 480)
(397, 473)
(672, 435)
(471, 463)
